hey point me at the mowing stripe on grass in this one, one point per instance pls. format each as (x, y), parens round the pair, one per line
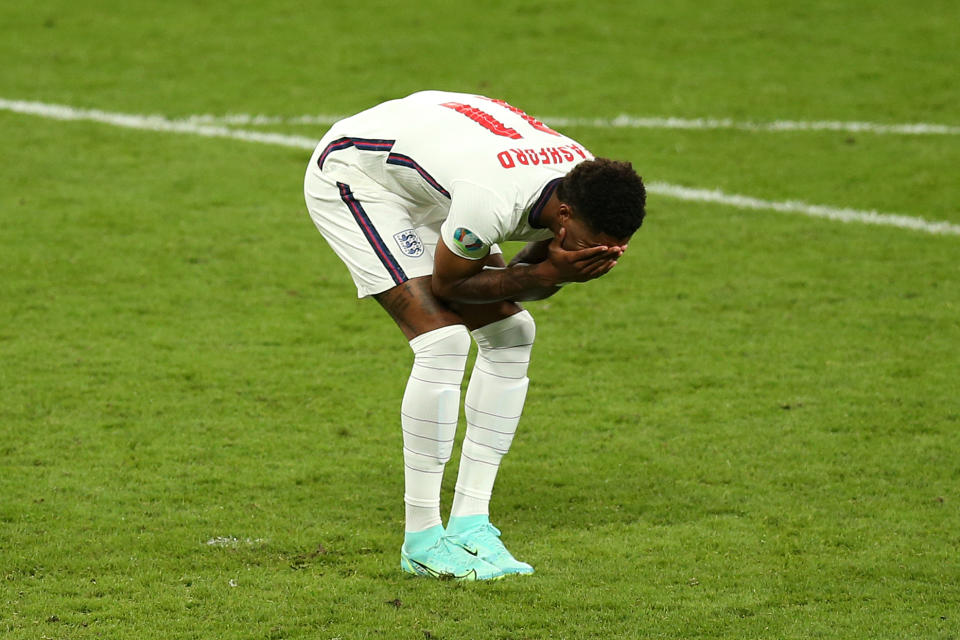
(159, 123)
(634, 122)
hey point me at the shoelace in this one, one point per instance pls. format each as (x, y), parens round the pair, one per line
(487, 535)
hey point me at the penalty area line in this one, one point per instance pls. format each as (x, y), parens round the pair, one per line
(162, 124)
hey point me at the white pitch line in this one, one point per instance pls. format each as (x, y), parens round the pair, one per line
(812, 210)
(152, 123)
(633, 122)
(159, 123)
(244, 119)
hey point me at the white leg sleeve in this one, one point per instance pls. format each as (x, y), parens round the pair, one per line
(429, 414)
(494, 402)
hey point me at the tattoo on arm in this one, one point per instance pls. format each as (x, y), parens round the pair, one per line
(491, 285)
(532, 253)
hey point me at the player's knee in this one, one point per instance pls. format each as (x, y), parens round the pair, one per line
(516, 332)
(526, 328)
(442, 354)
(453, 339)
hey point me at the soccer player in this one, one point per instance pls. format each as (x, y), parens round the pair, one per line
(414, 196)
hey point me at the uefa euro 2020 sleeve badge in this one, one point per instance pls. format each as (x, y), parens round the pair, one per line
(467, 240)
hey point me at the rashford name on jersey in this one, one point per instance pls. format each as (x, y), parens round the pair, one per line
(544, 155)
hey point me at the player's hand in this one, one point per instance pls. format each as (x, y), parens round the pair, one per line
(563, 266)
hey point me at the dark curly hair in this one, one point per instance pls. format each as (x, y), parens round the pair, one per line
(607, 194)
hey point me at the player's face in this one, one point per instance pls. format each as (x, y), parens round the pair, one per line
(580, 236)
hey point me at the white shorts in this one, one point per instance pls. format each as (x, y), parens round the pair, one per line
(369, 228)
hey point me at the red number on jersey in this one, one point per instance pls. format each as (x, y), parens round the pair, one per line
(533, 122)
(484, 119)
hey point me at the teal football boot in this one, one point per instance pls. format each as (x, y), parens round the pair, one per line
(445, 560)
(476, 535)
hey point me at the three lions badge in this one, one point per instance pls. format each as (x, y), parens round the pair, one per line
(410, 243)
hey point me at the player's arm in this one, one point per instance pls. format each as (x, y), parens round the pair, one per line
(532, 253)
(464, 280)
(495, 261)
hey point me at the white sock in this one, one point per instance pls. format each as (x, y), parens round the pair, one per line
(493, 404)
(428, 415)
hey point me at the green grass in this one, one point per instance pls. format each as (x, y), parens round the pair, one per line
(747, 430)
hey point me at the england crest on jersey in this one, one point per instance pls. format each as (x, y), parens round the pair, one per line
(410, 243)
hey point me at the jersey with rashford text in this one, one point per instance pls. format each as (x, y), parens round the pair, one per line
(477, 166)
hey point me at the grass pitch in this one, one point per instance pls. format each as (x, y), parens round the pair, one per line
(747, 430)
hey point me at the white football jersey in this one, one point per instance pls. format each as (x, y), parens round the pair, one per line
(479, 167)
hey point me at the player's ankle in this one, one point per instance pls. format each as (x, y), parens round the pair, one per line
(459, 524)
(414, 541)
